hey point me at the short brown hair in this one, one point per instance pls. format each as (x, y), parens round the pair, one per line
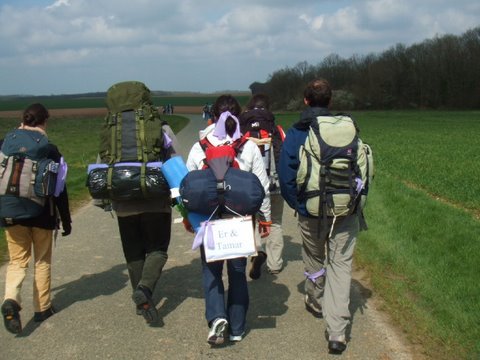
(318, 93)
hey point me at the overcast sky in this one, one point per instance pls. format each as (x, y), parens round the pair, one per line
(76, 46)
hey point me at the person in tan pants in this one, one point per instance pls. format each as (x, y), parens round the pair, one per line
(33, 234)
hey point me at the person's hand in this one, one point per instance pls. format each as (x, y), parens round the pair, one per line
(187, 225)
(67, 228)
(264, 228)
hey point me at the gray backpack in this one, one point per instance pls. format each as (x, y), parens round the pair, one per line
(336, 168)
(27, 177)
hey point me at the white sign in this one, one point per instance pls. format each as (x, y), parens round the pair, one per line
(229, 238)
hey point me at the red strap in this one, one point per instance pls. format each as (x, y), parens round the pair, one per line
(282, 133)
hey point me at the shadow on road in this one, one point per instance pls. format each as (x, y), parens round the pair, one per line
(87, 287)
(267, 298)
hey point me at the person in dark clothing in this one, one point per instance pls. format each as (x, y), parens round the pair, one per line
(35, 234)
(145, 231)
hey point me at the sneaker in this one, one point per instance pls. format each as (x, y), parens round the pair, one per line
(237, 338)
(256, 268)
(142, 297)
(217, 331)
(337, 344)
(11, 316)
(312, 308)
(43, 315)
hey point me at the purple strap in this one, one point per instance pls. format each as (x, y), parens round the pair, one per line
(359, 184)
(204, 235)
(220, 132)
(61, 177)
(167, 142)
(198, 240)
(314, 276)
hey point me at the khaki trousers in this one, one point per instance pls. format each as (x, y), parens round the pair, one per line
(21, 240)
(332, 291)
(273, 243)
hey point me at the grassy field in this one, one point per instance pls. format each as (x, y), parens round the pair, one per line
(58, 102)
(422, 246)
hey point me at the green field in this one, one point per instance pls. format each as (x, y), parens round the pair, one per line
(423, 212)
(421, 249)
(74, 102)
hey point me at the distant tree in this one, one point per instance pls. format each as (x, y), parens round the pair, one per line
(442, 72)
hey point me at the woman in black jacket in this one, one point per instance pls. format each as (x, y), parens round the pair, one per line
(25, 235)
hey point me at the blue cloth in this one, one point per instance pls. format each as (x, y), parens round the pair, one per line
(236, 308)
(289, 160)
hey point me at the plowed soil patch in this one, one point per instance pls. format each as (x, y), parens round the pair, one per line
(94, 112)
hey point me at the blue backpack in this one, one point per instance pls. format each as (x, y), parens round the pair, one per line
(221, 186)
(27, 177)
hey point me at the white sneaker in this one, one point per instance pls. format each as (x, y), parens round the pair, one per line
(237, 338)
(217, 331)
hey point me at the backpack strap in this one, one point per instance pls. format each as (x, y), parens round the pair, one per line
(116, 141)
(143, 181)
(205, 144)
(140, 130)
(239, 144)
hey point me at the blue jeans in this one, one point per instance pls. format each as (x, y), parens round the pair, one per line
(237, 298)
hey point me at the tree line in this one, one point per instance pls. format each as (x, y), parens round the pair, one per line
(438, 73)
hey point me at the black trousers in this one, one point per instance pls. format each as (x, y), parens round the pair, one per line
(144, 233)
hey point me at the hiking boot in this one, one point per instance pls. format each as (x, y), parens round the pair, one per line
(312, 308)
(236, 338)
(142, 297)
(43, 315)
(11, 316)
(216, 335)
(256, 268)
(337, 344)
(273, 272)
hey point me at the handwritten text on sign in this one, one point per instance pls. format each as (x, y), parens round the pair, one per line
(233, 238)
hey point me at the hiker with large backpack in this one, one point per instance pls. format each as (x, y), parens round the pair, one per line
(230, 312)
(133, 146)
(257, 123)
(33, 202)
(325, 171)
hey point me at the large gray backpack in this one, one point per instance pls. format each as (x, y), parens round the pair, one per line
(336, 168)
(27, 177)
